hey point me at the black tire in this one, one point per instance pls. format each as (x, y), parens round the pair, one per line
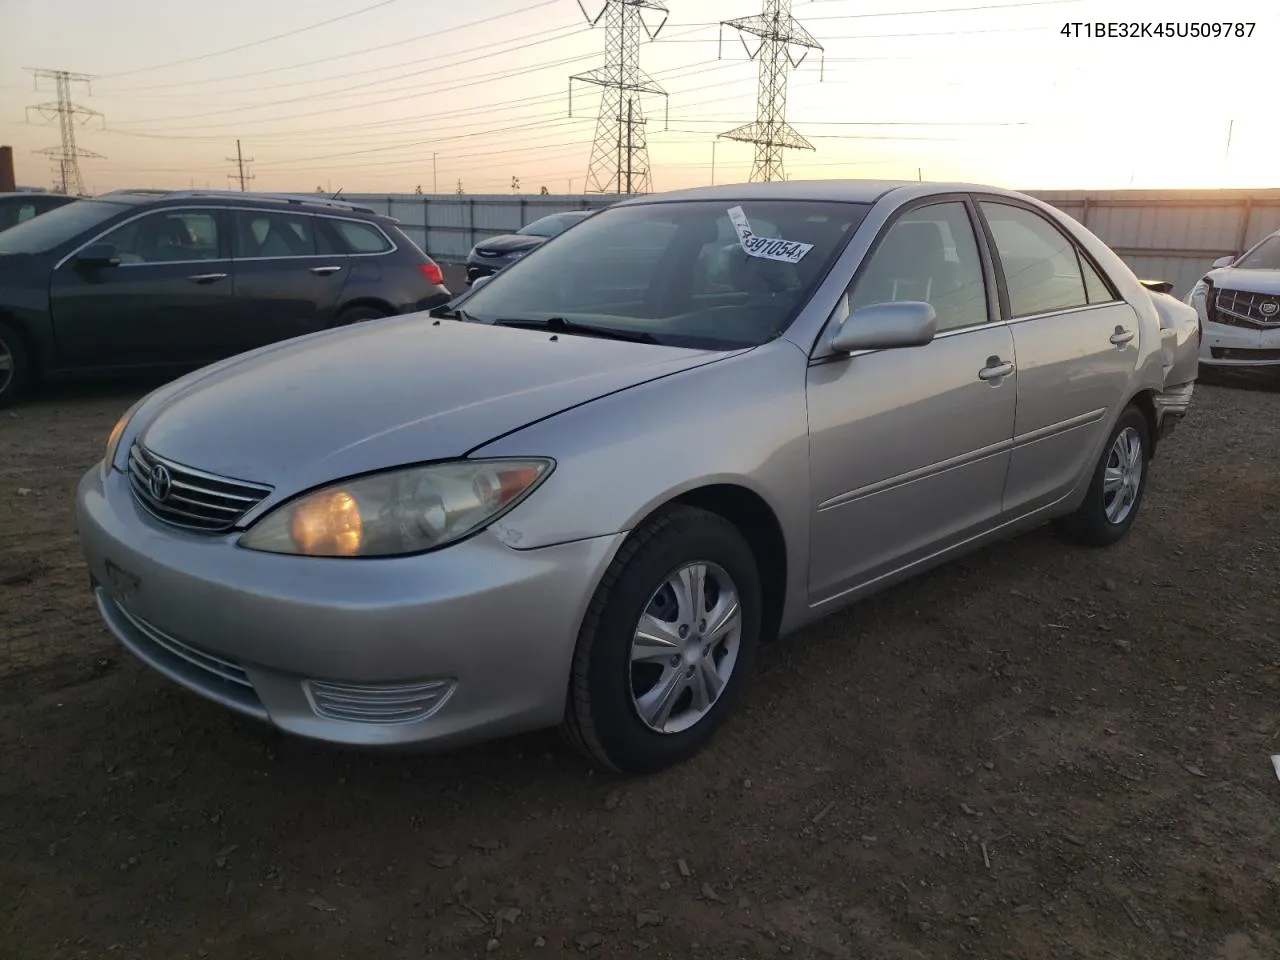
(359, 314)
(16, 373)
(1090, 525)
(601, 718)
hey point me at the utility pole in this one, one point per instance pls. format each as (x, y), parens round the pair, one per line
(616, 152)
(240, 160)
(70, 180)
(713, 161)
(779, 33)
(433, 171)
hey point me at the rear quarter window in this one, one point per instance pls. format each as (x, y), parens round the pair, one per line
(360, 237)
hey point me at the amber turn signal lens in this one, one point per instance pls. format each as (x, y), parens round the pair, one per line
(327, 525)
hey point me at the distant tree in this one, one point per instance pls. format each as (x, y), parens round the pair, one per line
(459, 191)
(418, 190)
(319, 189)
(544, 191)
(515, 184)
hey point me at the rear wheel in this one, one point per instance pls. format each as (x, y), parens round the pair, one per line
(359, 314)
(15, 365)
(666, 642)
(1119, 481)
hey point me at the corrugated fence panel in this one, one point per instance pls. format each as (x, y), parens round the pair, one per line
(1262, 222)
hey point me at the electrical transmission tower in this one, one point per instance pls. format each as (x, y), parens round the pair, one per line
(239, 160)
(779, 34)
(620, 154)
(70, 181)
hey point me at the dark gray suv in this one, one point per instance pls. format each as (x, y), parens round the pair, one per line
(142, 280)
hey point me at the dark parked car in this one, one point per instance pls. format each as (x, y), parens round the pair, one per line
(490, 256)
(16, 208)
(151, 280)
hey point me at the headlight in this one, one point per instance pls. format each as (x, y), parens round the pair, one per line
(113, 438)
(398, 512)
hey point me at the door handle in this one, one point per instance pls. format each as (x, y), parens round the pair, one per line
(207, 277)
(1121, 336)
(996, 369)
(324, 271)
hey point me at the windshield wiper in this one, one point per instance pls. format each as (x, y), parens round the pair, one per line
(561, 325)
(445, 312)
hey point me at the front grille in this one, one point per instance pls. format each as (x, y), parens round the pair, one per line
(1240, 308)
(377, 703)
(1240, 353)
(189, 498)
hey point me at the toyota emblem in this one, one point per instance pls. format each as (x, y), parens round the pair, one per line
(161, 483)
(1269, 308)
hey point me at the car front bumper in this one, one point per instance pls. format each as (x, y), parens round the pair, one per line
(1229, 346)
(467, 643)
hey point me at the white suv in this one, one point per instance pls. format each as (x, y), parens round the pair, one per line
(1239, 305)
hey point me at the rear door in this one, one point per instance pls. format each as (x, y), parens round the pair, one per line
(1077, 347)
(288, 277)
(163, 304)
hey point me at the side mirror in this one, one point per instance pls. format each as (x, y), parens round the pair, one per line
(479, 282)
(1158, 286)
(99, 255)
(886, 326)
(1223, 262)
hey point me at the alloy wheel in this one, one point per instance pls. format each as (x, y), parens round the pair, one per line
(1122, 476)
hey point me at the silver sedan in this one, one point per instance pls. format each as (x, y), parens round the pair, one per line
(585, 492)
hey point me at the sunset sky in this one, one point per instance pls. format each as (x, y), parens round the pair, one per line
(985, 91)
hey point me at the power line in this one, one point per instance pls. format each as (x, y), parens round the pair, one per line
(778, 33)
(341, 56)
(620, 155)
(69, 115)
(252, 43)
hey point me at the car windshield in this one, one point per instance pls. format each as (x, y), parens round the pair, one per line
(677, 271)
(549, 226)
(1265, 256)
(52, 229)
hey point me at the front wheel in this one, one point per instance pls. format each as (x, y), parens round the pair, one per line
(1119, 481)
(666, 642)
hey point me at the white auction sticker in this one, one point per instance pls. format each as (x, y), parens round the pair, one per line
(766, 248)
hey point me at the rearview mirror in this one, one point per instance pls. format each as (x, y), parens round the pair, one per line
(1223, 262)
(99, 255)
(886, 326)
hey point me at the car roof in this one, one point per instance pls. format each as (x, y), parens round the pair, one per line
(265, 200)
(29, 194)
(846, 191)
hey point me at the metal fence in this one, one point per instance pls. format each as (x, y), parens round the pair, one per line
(447, 226)
(1162, 234)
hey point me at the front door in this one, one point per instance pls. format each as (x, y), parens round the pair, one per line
(1077, 344)
(909, 447)
(159, 306)
(288, 277)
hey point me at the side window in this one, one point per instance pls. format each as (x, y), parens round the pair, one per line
(1041, 268)
(1097, 289)
(360, 237)
(929, 254)
(167, 236)
(266, 233)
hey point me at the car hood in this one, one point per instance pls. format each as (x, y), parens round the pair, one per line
(381, 394)
(1251, 281)
(510, 243)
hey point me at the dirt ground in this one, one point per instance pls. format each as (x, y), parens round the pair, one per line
(1037, 752)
